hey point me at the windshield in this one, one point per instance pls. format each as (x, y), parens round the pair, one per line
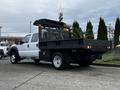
(26, 38)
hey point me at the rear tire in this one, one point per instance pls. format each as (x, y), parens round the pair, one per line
(14, 58)
(58, 61)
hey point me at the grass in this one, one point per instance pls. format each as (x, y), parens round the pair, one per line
(110, 58)
(115, 61)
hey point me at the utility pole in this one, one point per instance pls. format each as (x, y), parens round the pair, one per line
(110, 32)
(30, 26)
(0, 30)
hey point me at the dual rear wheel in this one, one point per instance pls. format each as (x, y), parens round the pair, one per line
(58, 61)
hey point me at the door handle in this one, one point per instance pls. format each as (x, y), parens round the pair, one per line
(28, 45)
(36, 45)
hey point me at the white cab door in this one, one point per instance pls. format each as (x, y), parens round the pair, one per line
(24, 48)
(33, 46)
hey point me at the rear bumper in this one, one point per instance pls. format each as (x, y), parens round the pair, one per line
(98, 46)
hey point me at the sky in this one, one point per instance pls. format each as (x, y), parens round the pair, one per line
(15, 15)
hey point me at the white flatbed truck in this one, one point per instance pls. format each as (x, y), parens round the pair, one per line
(51, 44)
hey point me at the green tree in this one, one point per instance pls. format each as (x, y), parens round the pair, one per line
(89, 31)
(117, 31)
(77, 31)
(102, 30)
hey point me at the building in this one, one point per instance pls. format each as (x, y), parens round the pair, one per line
(10, 39)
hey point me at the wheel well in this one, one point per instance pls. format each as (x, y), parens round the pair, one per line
(13, 49)
(56, 51)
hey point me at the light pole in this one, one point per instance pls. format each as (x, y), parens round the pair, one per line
(0, 30)
(30, 26)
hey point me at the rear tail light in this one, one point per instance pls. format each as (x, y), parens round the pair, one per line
(89, 46)
(108, 47)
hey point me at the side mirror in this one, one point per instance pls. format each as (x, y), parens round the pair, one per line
(19, 42)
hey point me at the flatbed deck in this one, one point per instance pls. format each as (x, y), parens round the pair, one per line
(93, 45)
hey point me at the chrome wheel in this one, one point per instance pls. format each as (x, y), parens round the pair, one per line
(57, 61)
(12, 58)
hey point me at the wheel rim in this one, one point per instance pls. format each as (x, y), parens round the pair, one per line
(57, 61)
(12, 58)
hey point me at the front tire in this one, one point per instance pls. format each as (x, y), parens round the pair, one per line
(14, 58)
(58, 61)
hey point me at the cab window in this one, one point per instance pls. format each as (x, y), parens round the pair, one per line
(34, 37)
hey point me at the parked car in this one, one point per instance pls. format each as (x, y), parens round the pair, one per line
(118, 46)
(3, 49)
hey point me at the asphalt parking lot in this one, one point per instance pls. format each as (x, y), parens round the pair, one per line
(29, 76)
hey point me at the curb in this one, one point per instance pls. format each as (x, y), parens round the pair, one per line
(108, 65)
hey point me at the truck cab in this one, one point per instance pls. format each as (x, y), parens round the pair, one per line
(27, 48)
